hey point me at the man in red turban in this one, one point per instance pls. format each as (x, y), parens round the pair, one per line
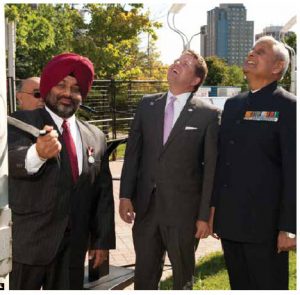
(60, 186)
(66, 64)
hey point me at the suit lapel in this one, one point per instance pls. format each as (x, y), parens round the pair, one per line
(47, 120)
(85, 136)
(184, 116)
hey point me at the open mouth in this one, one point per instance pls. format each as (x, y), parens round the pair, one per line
(250, 62)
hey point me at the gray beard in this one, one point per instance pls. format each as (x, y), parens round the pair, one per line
(63, 111)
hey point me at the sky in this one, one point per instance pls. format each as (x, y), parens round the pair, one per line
(194, 15)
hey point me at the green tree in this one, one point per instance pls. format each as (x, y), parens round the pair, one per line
(217, 71)
(290, 40)
(110, 37)
(234, 76)
(151, 67)
(221, 74)
(42, 31)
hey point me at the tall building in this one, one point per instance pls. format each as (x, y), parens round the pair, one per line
(272, 31)
(228, 34)
(203, 40)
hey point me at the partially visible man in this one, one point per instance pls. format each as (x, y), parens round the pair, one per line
(28, 95)
(168, 173)
(60, 186)
(254, 199)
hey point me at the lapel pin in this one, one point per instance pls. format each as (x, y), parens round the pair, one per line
(190, 110)
(152, 103)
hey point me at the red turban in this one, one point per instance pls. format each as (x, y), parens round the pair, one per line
(66, 64)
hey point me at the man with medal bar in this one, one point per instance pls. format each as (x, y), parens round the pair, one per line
(253, 207)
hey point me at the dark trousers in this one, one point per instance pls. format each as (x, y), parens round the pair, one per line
(55, 276)
(151, 241)
(255, 266)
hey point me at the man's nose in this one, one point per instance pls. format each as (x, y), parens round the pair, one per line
(67, 90)
(251, 53)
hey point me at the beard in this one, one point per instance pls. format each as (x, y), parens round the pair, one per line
(62, 110)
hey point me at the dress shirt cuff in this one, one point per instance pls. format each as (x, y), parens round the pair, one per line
(32, 161)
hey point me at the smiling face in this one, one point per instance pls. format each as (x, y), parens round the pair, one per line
(64, 98)
(262, 65)
(182, 75)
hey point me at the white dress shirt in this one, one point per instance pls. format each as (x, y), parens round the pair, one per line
(179, 103)
(33, 162)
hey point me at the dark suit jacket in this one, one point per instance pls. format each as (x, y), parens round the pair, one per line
(255, 183)
(46, 203)
(182, 170)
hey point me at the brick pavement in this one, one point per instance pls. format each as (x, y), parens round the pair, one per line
(124, 252)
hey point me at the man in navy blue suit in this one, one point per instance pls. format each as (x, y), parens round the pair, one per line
(254, 200)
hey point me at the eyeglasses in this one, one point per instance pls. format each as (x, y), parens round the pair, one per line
(35, 94)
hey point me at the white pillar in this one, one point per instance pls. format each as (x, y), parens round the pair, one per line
(11, 63)
(5, 215)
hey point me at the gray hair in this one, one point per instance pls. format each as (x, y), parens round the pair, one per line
(20, 84)
(280, 51)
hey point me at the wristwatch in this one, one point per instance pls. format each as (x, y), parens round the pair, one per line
(290, 235)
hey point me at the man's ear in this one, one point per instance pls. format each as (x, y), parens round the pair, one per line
(196, 81)
(278, 67)
(19, 98)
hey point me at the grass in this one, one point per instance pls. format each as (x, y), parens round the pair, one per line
(211, 274)
(293, 270)
(120, 151)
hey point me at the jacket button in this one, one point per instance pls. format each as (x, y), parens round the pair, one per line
(225, 185)
(227, 163)
(231, 141)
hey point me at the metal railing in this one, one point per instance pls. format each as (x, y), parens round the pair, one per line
(113, 103)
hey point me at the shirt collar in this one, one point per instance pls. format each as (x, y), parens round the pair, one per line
(270, 87)
(253, 91)
(181, 98)
(58, 120)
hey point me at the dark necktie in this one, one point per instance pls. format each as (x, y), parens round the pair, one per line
(71, 149)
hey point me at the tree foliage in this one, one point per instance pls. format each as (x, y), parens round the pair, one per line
(216, 71)
(106, 33)
(221, 74)
(290, 40)
(42, 32)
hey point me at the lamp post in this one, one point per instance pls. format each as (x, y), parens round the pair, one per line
(188, 45)
(175, 9)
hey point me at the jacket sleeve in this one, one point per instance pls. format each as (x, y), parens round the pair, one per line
(18, 144)
(210, 158)
(132, 156)
(287, 215)
(218, 176)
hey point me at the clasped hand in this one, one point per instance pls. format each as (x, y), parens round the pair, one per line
(48, 146)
